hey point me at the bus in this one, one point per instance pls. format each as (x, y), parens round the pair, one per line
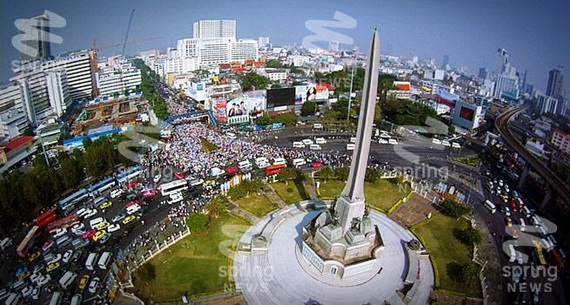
(24, 246)
(172, 187)
(102, 185)
(68, 202)
(129, 174)
(538, 247)
(65, 222)
(274, 169)
(45, 218)
(91, 261)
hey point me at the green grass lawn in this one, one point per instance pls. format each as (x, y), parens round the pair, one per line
(259, 205)
(437, 236)
(383, 194)
(207, 147)
(290, 193)
(471, 160)
(193, 265)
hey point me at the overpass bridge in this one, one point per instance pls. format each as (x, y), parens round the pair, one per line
(554, 182)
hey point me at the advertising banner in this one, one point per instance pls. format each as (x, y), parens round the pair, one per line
(317, 92)
(219, 108)
(300, 94)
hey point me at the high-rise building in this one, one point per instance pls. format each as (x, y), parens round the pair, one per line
(79, 71)
(506, 85)
(546, 104)
(263, 41)
(214, 29)
(217, 51)
(555, 81)
(483, 73)
(40, 42)
(445, 61)
(13, 119)
(58, 90)
(118, 79)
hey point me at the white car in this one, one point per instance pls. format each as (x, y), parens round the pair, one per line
(116, 193)
(175, 198)
(455, 145)
(59, 233)
(114, 227)
(43, 280)
(78, 229)
(56, 259)
(307, 141)
(36, 293)
(157, 178)
(133, 209)
(445, 143)
(67, 256)
(94, 222)
(90, 213)
(94, 284)
(27, 291)
(35, 277)
(382, 141)
(436, 141)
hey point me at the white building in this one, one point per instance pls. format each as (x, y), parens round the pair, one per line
(79, 71)
(117, 79)
(438, 74)
(506, 84)
(214, 29)
(214, 51)
(13, 118)
(263, 41)
(276, 75)
(58, 91)
(546, 104)
(561, 140)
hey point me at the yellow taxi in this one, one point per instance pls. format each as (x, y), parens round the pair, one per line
(24, 275)
(129, 219)
(102, 226)
(105, 205)
(509, 221)
(99, 235)
(32, 257)
(52, 267)
(83, 281)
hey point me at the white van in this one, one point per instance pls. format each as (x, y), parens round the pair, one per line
(445, 143)
(382, 141)
(279, 161)
(320, 141)
(318, 126)
(94, 222)
(245, 165)
(76, 300)
(315, 147)
(490, 206)
(299, 162)
(56, 298)
(133, 209)
(91, 261)
(216, 172)
(455, 145)
(392, 142)
(67, 279)
(436, 141)
(298, 144)
(5, 243)
(352, 139)
(13, 299)
(116, 193)
(350, 146)
(261, 162)
(104, 260)
(307, 141)
(81, 212)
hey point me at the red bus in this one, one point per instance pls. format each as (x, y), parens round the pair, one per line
(65, 222)
(45, 218)
(274, 169)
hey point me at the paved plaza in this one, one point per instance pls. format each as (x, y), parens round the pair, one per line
(275, 275)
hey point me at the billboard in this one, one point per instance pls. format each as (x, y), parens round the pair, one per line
(257, 101)
(219, 108)
(280, 97)
(300, 94)
(317, 92)
(466, 113)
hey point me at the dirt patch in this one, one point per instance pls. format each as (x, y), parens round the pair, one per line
(412, 211)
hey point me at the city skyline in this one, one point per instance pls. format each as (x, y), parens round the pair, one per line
(533, 46)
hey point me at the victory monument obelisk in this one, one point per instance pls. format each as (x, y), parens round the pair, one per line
(342, 241)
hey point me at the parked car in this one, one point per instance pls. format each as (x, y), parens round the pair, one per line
(94, 284)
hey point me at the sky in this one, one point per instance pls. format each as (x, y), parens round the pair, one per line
(534, 32)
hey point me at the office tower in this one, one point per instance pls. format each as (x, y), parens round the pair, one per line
(547, 104)
(80, 73)
(117, 79)
(554, 86)
(445, 61)
(214, 29)
(506, 84)
(334, 46)
(263, 41)
(483, 73)
(40, 40)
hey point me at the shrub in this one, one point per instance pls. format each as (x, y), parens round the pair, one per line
(198, 222)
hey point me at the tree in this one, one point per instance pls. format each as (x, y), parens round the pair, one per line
(70, 173)
(252, 79)
(273, 63)
(287, 174)
(217, 206)
(264, 119)
(289, 119)
(451, 129)
(469, 272)
(469, 236)
(308, 108)
(372, 175)
(197, 222)
(326, 173)
(342, 173)
(452, 208)
(237, 192)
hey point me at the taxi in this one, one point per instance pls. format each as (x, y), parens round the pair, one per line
(129, 219)
(102, 226)
(99, 235)
(32, 257)
(83, 281)
(52, 267)
(105, 205)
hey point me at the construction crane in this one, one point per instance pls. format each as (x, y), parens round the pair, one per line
(128, 30)
(121, 43)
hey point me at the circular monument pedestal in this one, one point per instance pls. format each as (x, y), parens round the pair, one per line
(280, 274)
